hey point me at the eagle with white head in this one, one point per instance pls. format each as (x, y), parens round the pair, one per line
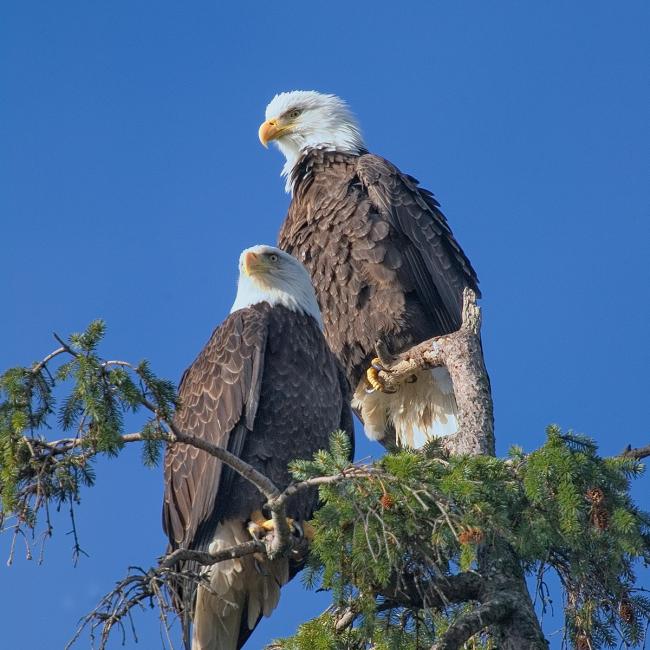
(383, 260)
(266, 388)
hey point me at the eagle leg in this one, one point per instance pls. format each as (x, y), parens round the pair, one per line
(259, 526)
(373, 378)
(384, 355)
(383, 363)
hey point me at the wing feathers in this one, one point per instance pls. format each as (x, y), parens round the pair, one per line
(436, 263)
(216, 391)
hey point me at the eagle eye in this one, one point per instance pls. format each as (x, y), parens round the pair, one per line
(273, 257)
(295, 113)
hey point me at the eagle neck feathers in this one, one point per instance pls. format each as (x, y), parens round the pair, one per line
(298, 171)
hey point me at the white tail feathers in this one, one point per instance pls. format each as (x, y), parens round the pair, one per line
(237, 585)
(418, 411)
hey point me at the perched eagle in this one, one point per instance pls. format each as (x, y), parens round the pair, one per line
(267, 388)
(382, 258)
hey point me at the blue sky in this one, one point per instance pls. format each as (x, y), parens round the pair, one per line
(131, 177)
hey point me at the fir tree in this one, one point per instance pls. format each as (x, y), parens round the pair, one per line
(419, 549)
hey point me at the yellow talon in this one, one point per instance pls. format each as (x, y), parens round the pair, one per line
(257, 517)
(268, 525)
(259, 526)
(372, 375)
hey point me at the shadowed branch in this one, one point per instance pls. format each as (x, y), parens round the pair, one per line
(470, 623)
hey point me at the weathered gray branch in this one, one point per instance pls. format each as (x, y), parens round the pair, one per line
(462, 354)
(37, 367)
(207, 559)
(639, 453)
(175, 435)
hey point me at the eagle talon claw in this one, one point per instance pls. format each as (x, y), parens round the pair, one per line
(259, 527)
(373, 378)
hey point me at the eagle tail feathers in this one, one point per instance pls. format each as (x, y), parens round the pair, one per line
(240, 589)
(417, 412)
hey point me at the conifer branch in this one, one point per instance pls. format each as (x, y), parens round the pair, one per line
(353, 471)
(207, 559)
(437, 593)
(175, 435)
(639, 453)
(65, 346)
(467, 625)
(259, 480)
(41, 364)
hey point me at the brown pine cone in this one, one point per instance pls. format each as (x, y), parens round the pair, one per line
(464, 537)
(595, 495)
(600, 518)
(471, 536)
(626, 611)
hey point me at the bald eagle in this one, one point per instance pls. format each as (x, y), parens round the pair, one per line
(383, 260)
(267, 388)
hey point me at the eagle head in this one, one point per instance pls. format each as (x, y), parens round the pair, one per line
(268, 274)
(305, 119)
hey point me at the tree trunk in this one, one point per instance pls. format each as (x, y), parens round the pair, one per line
(505, 600)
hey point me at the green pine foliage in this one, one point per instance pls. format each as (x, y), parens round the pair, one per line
(84, 398)
(563, 508)
(395, 632)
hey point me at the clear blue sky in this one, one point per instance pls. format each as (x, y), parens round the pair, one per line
(131, 177)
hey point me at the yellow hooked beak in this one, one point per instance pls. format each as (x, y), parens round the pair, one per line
(271, 130)
(253, 263)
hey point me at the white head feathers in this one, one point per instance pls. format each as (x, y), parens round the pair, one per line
(268, 274)
(305, 119)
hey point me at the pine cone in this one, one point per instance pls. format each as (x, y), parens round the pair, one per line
(464, 537)
(595, 495)
(626, 611)
(582, 642)
(471, 536)
(600, 518)
(387, 501)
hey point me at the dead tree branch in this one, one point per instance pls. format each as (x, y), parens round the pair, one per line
(461, 353)
(207, 559)
(37, 367)
(639, 453)
(259, 480)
